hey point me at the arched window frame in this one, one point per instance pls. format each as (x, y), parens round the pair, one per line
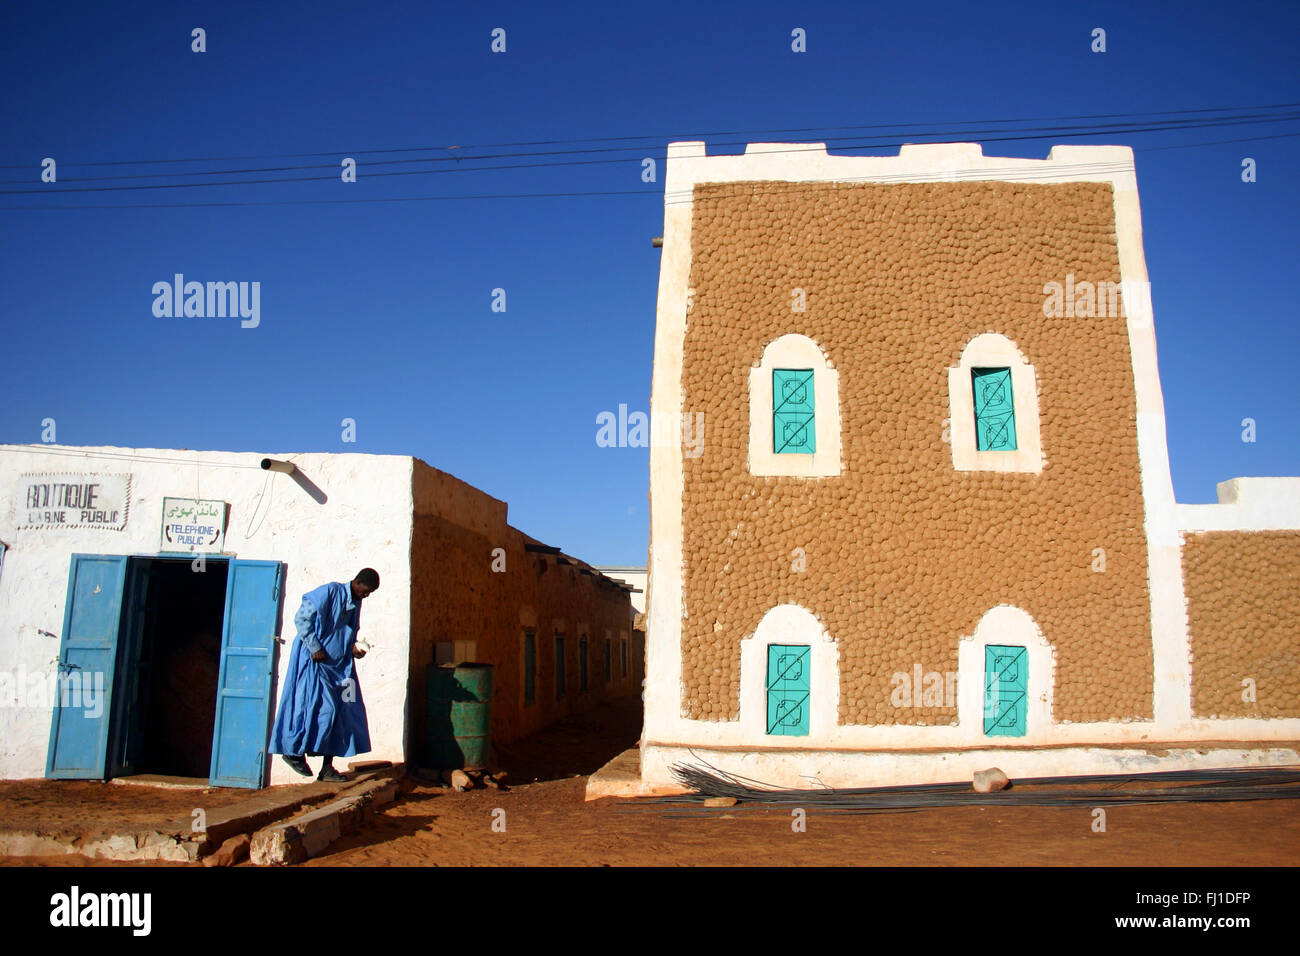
(794, 351)
(991, 350)
(1006, 624)
(796, 625)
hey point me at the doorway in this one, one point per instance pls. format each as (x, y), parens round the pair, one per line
(173, 659)
(186, 652)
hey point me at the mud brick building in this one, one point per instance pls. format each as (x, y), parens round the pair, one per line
(156, 582)
(933, 528)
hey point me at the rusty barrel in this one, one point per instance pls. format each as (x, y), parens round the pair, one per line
(457, 716)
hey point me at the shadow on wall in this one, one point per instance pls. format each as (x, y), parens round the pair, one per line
(577, 745)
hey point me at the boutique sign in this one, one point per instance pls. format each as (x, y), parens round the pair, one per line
(74, 501)
(193, 525)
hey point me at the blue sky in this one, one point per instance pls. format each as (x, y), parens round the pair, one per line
(381, 312)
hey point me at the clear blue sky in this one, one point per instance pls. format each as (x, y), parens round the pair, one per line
(381, 312)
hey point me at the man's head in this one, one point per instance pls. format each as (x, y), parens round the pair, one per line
(365, 583)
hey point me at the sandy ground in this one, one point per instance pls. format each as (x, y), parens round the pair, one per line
(93, 806)
(547, 822)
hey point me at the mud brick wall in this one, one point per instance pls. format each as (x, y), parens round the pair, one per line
(455, 595)
(904, 554)
(1243, 605)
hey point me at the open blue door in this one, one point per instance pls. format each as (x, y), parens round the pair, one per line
(244, 685)
(87, 658)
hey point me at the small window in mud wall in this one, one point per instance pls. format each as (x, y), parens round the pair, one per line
(995, 414)
(559, 665)
(788, 687)
(992, 422)
(530, 668)
(582, 664)
(609, 658)
(1006, 690)
(794, 430)
(622, 652)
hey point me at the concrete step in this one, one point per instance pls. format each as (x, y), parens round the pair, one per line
(621, 777)
(308, 834)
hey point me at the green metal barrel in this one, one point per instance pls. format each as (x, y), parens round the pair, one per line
(457, 716)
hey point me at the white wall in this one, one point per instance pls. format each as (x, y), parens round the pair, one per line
(365, 521)
(1247, 504)
(633, 576)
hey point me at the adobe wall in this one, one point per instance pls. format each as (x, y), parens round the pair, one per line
(1243, 602)
(349, 511)
(457, 596)
(904, 555)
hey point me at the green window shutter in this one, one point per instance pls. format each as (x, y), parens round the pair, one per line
(1006, 690)
(793, 429)
(995, 415)
(788, 686)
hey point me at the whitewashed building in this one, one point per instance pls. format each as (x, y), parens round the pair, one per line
(143, 593)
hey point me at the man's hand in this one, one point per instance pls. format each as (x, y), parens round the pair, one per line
(357, 652)
(320, 657)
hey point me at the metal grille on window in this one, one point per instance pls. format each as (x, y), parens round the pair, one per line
(788, 684)
(793, 425)
(1006, 690)
(995, 417)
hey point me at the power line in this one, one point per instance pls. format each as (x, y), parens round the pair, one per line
(1046, 172)
(462, 163)
(1058, 133)
(1019, 172)
(984, 135)
(672, 136)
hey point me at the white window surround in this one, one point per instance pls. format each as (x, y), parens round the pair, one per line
(990, 350)
(790, 624)
(1005, 625)
(795, 351)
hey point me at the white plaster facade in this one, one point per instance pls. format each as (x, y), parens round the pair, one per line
(843, 756)
(365, 520)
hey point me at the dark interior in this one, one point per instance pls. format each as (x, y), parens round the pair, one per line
(180, 662)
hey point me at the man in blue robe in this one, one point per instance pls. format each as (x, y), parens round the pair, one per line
(321, 710)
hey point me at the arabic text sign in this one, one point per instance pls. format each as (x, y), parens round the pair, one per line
(194, 525)
(74, 501)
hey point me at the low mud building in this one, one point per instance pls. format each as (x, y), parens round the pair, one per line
(147, 600)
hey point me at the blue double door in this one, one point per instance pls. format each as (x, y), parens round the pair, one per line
(110, 624)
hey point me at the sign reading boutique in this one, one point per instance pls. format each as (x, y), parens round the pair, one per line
(194, 525)
(75, 501)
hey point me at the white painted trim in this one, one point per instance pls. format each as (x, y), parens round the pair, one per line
(790, 624)
(1247, 504)
(1009, 625)
(992, 350)
(816, 769)
(795, 351)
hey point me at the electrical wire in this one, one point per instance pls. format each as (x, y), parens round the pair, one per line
(671, 136)
(1046, 132)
